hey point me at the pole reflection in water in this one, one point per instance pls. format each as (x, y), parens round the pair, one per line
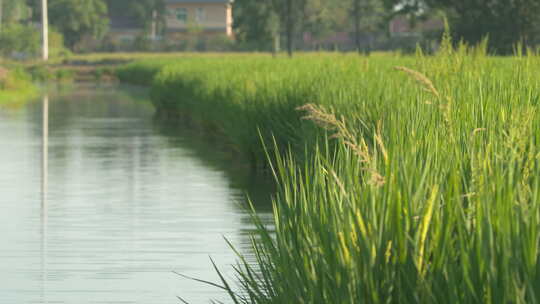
(100, 204)
(44, 187)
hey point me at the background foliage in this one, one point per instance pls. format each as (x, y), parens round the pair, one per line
(415, 184)
(294, 24)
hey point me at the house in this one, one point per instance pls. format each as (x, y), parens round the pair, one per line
(124, 29)
(205, 16)
(400, 26)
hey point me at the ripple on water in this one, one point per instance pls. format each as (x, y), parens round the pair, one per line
(125, 205)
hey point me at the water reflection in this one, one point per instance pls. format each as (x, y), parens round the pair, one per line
(44, 187)
(123, 203)
(220, 157)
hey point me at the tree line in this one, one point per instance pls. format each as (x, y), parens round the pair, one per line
(504, 23)
(266, 24)
(75, 19)
(263, 23)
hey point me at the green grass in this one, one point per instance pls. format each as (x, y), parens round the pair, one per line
(234, 97)
(417, 185)
(16, 88)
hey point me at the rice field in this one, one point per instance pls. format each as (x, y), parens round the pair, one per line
(401, 179)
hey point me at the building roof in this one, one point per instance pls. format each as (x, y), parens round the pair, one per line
(198, 1)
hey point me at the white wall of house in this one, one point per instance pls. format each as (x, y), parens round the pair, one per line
(216, 17)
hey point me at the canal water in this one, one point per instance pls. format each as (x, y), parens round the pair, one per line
(102, 204)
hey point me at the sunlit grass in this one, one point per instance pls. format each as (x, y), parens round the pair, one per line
(412, 185)
(16, 88)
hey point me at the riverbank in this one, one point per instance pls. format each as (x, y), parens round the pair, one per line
(244, 100)
(401, 179)
(15, 86)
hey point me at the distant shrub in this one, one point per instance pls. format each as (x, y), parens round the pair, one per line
(16, 79)
(56, 44)
(64, 75)
(22, 41)
(109, 44)
(19, 41)
(220, 43)
(40, 73)
(142, 43)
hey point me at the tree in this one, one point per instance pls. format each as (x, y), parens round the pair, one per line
(368, 16)
(12, 11)
(261, 22)
(256, 24)
(323, 17)
(290, 13)
(504, 22)
(356, 12)
(76, 19)
(20, 39)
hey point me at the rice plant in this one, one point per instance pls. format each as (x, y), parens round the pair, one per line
(401, 179)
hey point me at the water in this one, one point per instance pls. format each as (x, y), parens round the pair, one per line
(115, 203)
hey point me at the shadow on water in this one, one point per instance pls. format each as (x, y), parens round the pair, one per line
(258, 188)
(211, 151)
(134, 101)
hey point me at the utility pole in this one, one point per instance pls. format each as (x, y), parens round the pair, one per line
(45, 28)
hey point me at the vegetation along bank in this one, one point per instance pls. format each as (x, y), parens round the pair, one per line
(415, 184)
(15, 86)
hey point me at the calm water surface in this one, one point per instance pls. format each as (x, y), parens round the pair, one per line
(117, 203)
